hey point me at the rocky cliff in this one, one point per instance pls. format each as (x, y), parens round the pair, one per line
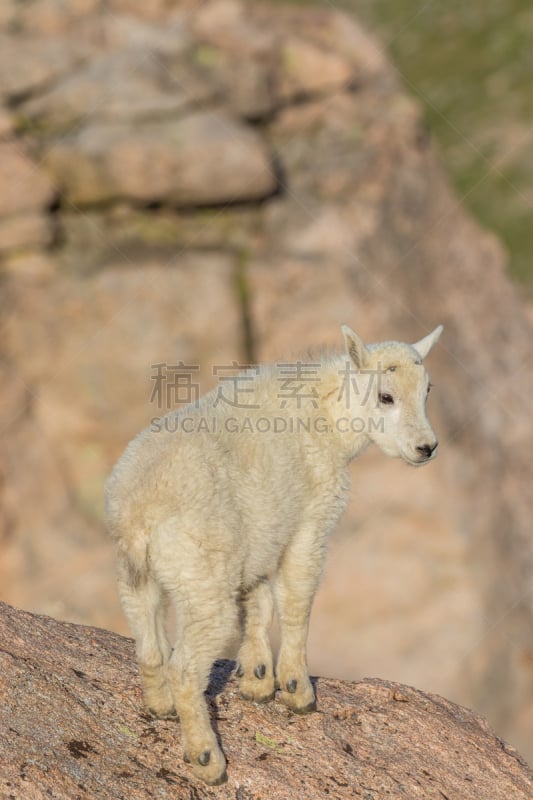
(204, 183)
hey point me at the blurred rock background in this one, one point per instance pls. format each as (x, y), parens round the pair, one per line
(470, 66)
(221, 181)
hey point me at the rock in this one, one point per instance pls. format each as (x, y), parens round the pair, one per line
(162, 35)
(145, 85)
(239, 54)
(243, 79)
(266, 72)
(222, 22)
(25, 230)
(334, 31)
(204, 159)
(73, 722)
(48, 17)
(94, 239)
(39, 63)
(259, 65)
(146, 11)
(306, 69)
(7, 125)
(26, 187)
(32, 266)
(7, 13)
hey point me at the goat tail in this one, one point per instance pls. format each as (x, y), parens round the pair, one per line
(132, 560)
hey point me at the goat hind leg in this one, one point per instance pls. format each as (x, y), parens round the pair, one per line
(144, 604)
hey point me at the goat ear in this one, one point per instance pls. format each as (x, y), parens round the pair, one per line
(424, 345)
(354, 347)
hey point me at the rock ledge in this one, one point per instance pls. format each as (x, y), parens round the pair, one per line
(74, 726)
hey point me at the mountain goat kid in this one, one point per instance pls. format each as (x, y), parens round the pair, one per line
(217, 505)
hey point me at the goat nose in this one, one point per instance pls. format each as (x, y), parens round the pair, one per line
(427, 449)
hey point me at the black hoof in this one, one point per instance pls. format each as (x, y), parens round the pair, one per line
(204, 758)
(260, 671)
(239, 671)
(306, 709)
(219, 781)
(292, 686)
(186, 758)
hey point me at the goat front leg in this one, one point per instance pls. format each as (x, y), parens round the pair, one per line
(295, 588)
(256, 669)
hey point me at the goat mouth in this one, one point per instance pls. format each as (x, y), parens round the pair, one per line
(417, 462)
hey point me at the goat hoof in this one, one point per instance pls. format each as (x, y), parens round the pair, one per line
(260, 671)
(210, 766)
(170, 714)
(239, 671)
(292, 686)
(262, 699)
(223, 778)
(306, 709)
(186, 759)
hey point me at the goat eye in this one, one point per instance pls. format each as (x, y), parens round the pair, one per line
(386, 399)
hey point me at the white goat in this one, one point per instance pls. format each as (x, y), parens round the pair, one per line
(215, 505)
